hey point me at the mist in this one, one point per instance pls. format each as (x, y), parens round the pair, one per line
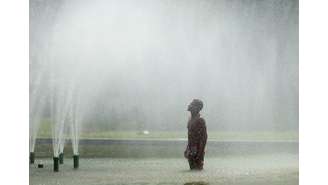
(138, 64)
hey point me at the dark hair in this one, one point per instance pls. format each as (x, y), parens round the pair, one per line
(198, 103)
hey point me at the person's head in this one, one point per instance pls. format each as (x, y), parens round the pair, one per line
(195, 106)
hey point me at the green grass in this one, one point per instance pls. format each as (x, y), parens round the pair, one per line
(45, 132)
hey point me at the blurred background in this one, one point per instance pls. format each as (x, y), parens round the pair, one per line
(143, 62)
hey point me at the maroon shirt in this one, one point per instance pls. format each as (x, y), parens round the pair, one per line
(197, 137)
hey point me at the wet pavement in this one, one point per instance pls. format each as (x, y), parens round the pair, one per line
(249, 169)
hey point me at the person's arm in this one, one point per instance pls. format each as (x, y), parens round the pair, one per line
(186, 152)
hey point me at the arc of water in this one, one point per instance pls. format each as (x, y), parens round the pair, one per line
(66, 115)
(75, 122)
(60, 109)
(37, 103)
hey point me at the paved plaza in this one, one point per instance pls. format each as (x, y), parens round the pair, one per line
(249, 169)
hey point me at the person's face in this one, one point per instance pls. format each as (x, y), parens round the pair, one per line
(189, 107)
(192, 107)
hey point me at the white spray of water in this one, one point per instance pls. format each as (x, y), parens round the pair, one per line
(240, 57)
(37, 104)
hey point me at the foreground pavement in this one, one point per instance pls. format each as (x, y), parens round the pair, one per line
(270, 169)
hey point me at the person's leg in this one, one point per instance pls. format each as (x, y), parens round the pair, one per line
(199, 162)
(191, 164)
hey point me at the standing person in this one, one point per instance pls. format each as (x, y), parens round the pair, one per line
(197, 136)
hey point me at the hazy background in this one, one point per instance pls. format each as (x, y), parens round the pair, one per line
(144, 61)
